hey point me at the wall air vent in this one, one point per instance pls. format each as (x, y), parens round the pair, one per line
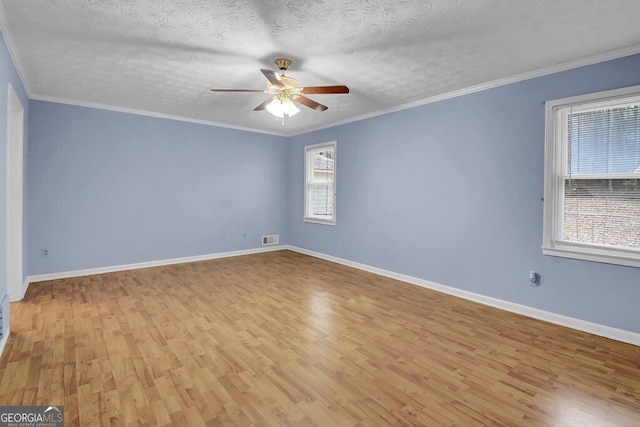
(270, 240)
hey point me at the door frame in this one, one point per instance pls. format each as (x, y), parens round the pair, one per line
(15, 195)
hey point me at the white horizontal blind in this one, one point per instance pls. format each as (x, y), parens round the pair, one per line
(602, 181)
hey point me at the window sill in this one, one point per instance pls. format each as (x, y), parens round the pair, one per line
(595, 254)
(319, 221)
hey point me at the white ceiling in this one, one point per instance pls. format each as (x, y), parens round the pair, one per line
(163, 56)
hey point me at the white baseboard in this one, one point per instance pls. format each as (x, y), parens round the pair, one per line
(558, 319)
(124, 267)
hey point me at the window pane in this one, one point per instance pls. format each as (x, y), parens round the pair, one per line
(323, 165)
(602, 211)
(322, 204)
(604, 141)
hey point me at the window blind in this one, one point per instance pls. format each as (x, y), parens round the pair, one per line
(322, 182)
(602, 181)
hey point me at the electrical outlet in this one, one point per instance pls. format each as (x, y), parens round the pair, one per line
(45, 253)
(534, 279)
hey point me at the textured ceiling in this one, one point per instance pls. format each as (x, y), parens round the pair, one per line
(164, 56)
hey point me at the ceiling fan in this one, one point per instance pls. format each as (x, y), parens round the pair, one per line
(285, 92)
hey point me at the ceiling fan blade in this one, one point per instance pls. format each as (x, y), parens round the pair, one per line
(325, 89)
(310, 103)
(263, 105)
(272, 76)
(237, 90)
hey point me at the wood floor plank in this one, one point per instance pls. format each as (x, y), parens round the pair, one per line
(285, 339)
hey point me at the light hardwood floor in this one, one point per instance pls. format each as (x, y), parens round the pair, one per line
(285, 339)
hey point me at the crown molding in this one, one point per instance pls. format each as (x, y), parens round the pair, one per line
(107, 107)
(541, 72)
(565, 66)
(615, 54)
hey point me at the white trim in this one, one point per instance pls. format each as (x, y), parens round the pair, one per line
(615, 54)
(577, 176)
(555, 173)
(25, 286)
(6, 321)
(148, 264)
(564, 66)
(13, 50)
(620, 53)
(605, 95)
(308, 172)
(558, 319)
(101, 106)
(14, 193)
(596, 254)
(319, 221)
(3, 343)
(23, 291)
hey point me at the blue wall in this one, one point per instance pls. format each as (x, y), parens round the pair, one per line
(8, 74)
(451, 192)
(108, 188)
(448, 192)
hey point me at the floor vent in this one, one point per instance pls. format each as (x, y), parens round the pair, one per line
(270, 240)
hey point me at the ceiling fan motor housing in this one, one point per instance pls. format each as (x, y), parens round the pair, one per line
(283, 63)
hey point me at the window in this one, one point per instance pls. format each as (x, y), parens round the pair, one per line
(592, 177)
(320, 183)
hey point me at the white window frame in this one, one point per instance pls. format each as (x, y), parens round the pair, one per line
(554, 170)
(308, 172)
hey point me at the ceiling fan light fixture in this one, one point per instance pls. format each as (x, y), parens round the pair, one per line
(275, 107)
(280, 107)
(289, 108)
